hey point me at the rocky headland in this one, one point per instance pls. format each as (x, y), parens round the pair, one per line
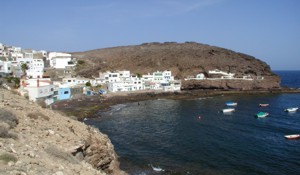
(184, 60)
(35, 141)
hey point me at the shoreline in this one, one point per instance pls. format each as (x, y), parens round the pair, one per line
(89, 106)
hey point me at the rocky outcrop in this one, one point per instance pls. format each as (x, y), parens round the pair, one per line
(269, 82)
(183, 59)
(35, 141)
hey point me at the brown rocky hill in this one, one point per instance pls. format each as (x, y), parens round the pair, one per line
(35, 141)
(183, 59)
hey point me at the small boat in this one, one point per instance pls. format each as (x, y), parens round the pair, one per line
(291, 109)
(231, 103)
(263, 105)
(158, 169)
(262, 114)
(228, 110)
(292, 136)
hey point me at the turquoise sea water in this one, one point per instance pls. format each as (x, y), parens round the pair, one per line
(193, 137)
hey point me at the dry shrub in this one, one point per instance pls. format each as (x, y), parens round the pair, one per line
(61, 155)
(41, 103)
(6, 157)
(36, 115)
(9, 118)
(6, 133)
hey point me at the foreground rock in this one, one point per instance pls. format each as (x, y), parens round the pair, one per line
(34, 140)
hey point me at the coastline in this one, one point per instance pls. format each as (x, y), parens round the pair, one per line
(89, 106)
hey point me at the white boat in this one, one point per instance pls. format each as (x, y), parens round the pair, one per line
(158, 169)
(228, 110)
(231, 103)
(263, 105)
(291, 109)
(292, 136)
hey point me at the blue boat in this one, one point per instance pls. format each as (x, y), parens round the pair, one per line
(262, 114)
(231, 103)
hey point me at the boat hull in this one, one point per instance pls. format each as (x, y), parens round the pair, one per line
(262, 114)
(263, 105)
(292, 137)
(228, 110)
(231, 104)
(291, 109)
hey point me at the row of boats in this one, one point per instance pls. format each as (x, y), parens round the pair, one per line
(263, 114)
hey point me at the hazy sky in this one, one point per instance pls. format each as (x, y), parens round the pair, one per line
(266, 29)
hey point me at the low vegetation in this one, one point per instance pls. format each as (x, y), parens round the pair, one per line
(8, 118)
(6, 157)
(61, 155)
(36, 115)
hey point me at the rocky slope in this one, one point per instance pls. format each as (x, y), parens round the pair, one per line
(184, 59)
(36, 141)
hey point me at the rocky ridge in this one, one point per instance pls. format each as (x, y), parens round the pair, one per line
(35, 141)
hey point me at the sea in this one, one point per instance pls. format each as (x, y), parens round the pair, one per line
(193, 137)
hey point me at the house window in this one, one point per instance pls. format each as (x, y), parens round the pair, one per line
(69, 80)
(66, 92)
(51, 89)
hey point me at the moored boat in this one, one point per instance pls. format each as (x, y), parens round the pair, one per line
(262, 114)
(228, 110)
(231, 103)
(291, 109)
(263, 104)
(292, 136)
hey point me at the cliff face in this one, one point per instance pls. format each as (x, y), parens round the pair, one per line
(34, 140)
(185, 59)
(269, 82)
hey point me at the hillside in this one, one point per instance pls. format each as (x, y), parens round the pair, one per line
(183, 59)
(35, 140)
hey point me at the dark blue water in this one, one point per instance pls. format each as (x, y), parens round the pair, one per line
(289, 78)
(169, 134)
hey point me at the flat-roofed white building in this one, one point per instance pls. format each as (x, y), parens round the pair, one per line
(35, 68)
(38, 89)
(78, 81)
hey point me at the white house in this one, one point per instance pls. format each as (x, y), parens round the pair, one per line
(125, 86)
(35, 68)
(28, 54)
(5, 68)
(16, 55)
(106, 77)
(78, 81)
(38, 89)
(57, 54)
(174, 85)
(61, 62)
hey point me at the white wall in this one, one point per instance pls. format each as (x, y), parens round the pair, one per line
(60, 63)
(51, 55)
(36, 68)
(5, 67)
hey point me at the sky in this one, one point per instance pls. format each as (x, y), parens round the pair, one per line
(266, 29)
